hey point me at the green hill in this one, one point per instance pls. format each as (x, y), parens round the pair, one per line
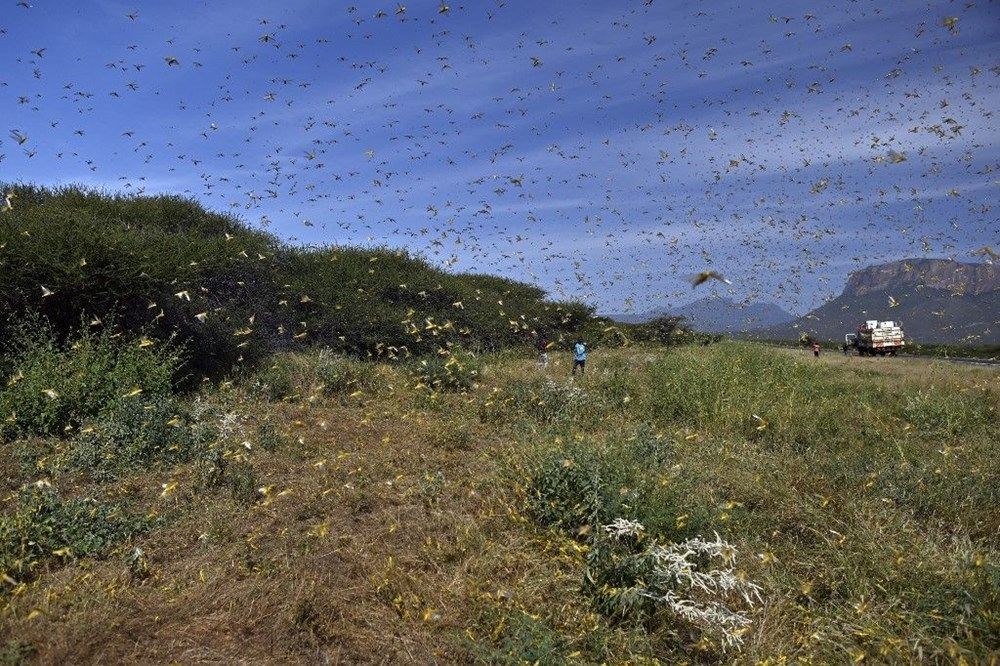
(166, 268)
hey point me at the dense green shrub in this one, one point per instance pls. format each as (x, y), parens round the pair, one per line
(574, 486)
(231, 295)
(583, 484)
(276, 379)
(523, 639)
(43, 525)
(339, 375)
(458, 371)
(135, 434)
(49, 387)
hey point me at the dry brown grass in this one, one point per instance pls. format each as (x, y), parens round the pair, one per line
(375, 543)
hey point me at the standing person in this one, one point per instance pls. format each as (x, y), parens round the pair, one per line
(542, 345)
(816, 349)
(579, 356)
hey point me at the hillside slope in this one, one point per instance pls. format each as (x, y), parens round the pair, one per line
(166, 267)
(937, 301)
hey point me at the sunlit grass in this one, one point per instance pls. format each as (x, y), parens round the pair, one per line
(366, 500)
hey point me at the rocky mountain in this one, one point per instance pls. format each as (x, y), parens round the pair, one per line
(936, 300)
(959, 278)
(714, 314)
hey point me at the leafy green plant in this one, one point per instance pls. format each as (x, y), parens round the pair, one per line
(52, 387)
(16, 652)
(524, 639)
(339, 375)
(241, 481)
(42, 526)
(458, 371)
(133, 434)
(275, 379)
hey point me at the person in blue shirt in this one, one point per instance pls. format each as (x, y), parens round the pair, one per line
(579, 356)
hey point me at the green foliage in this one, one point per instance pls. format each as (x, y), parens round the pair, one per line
(97, 254)
(755, 394)
(868, 498)
(662, 330)
(750, 392)
(617, 385)
(583, 484)
(524, 639)
(276, 379)
(340, 375)
(540, 399)
(16, 652)
(946, 413)
(42, 525)
(458, 371)
(133, 435)
(51, 387)
(268, 437)
(242, 482)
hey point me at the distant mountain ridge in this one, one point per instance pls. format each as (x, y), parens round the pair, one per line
(966, 279)
(936, 300)
(714, 314)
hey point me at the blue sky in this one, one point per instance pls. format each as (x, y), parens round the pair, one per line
(604, 150)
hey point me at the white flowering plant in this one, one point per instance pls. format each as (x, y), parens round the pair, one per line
(633, 577)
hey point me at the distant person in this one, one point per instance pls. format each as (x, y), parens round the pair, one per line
(816, 349)
(579, 356)
(844, 347)
(542, 345)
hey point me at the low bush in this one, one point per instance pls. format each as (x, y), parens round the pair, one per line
(583, 484)
(134, 434)
(42, 525)
(275, 379)
(50, 388)
(457, 372)
(634, 578)
(522, 638)
(339, 375)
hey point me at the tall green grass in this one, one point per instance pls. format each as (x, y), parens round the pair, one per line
(865, 501)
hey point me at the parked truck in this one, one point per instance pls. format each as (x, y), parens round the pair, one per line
(875, 337)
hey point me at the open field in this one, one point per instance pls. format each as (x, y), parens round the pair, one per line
(337, 511)
(903, 365)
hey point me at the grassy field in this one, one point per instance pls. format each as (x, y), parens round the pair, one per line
(764, 507)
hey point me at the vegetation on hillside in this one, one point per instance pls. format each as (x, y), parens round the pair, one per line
(166, 268)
